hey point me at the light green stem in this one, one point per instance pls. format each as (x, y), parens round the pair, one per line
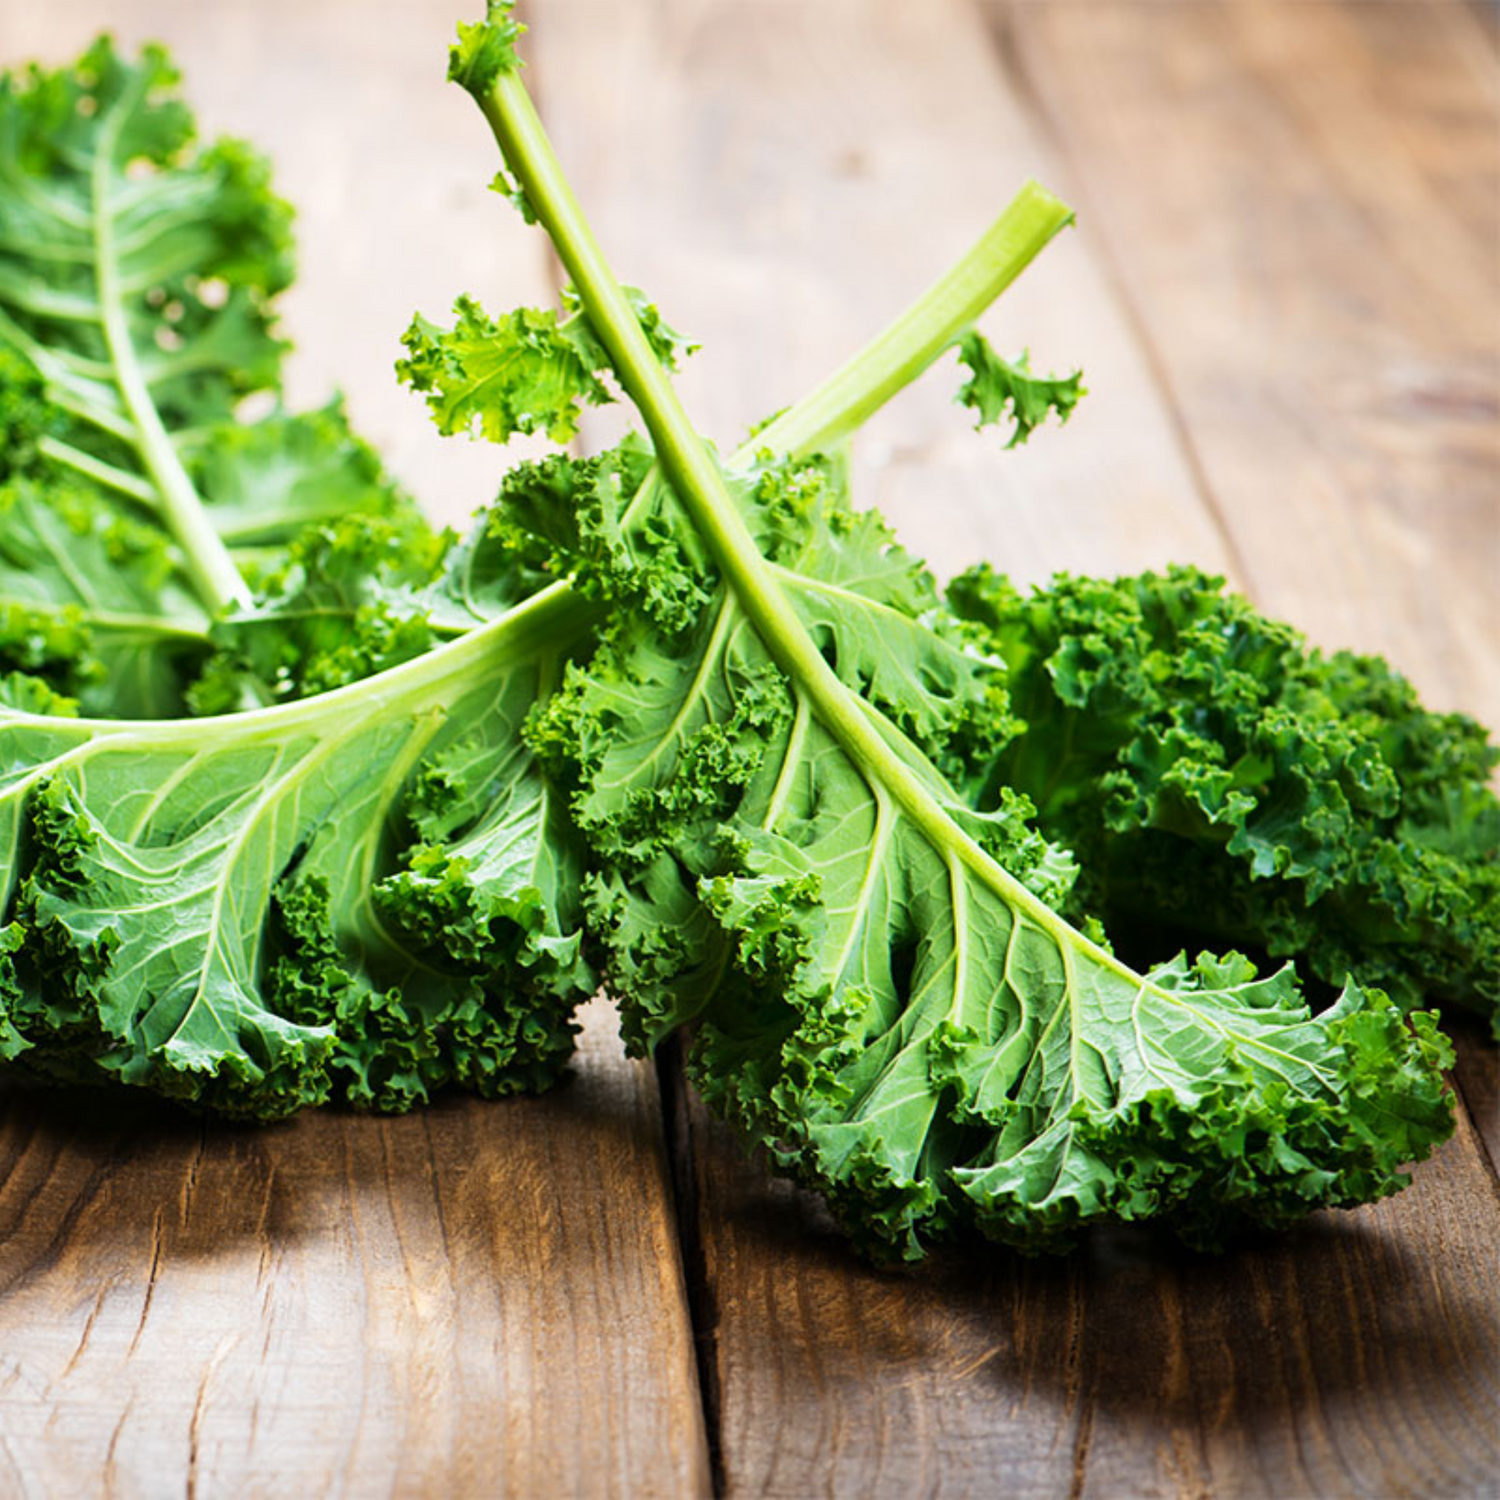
(205, 556)
(701, 489)
(933, 323)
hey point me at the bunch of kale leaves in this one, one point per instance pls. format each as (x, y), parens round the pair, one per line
(302, 801)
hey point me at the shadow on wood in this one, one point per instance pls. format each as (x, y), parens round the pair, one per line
(125, 1160)
(472, 1299)
(1132, 1357)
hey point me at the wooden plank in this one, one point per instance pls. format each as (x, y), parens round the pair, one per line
(476, 1299)
(1478, 1081)
(784, 179)
(789, 175)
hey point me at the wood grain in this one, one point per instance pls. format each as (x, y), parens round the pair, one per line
(471, 1300)
(1357, 1356)
(1478, 1080)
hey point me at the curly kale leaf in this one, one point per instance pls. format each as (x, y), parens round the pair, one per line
(486, 48)
(92, 601)
(367, 592)
(351, 599)
(136, 277)
(265, 482)
(884, 995)
(93, 597)
(1215, 773)
(1002, 390)
(527, 371)
(367, 895)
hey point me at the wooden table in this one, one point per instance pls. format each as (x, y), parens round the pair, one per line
(1285, 289)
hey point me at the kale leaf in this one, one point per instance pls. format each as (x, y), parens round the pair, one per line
(884, 993)
(367, 894)
(137, 272)
(1214, 773)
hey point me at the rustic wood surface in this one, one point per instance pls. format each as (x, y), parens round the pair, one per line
(1285, 288)
(432, 1305)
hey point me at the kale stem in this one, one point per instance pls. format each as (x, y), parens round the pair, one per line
(205, 556)
(701, 489)
(933, 323)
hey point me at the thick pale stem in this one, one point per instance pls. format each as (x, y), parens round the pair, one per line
(933, 323)
(205, 556)
(700, 487)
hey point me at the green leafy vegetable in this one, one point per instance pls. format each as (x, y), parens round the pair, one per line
(366, 894)
(528, 371)
(1002, 390)
(136, 273)
(893, 1011)
(1214, 773)
(902, 1019)
(701, 722)
(92, 602)
(265, 482)
(352, 599)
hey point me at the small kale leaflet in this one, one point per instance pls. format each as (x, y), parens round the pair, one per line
(1000, 390)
